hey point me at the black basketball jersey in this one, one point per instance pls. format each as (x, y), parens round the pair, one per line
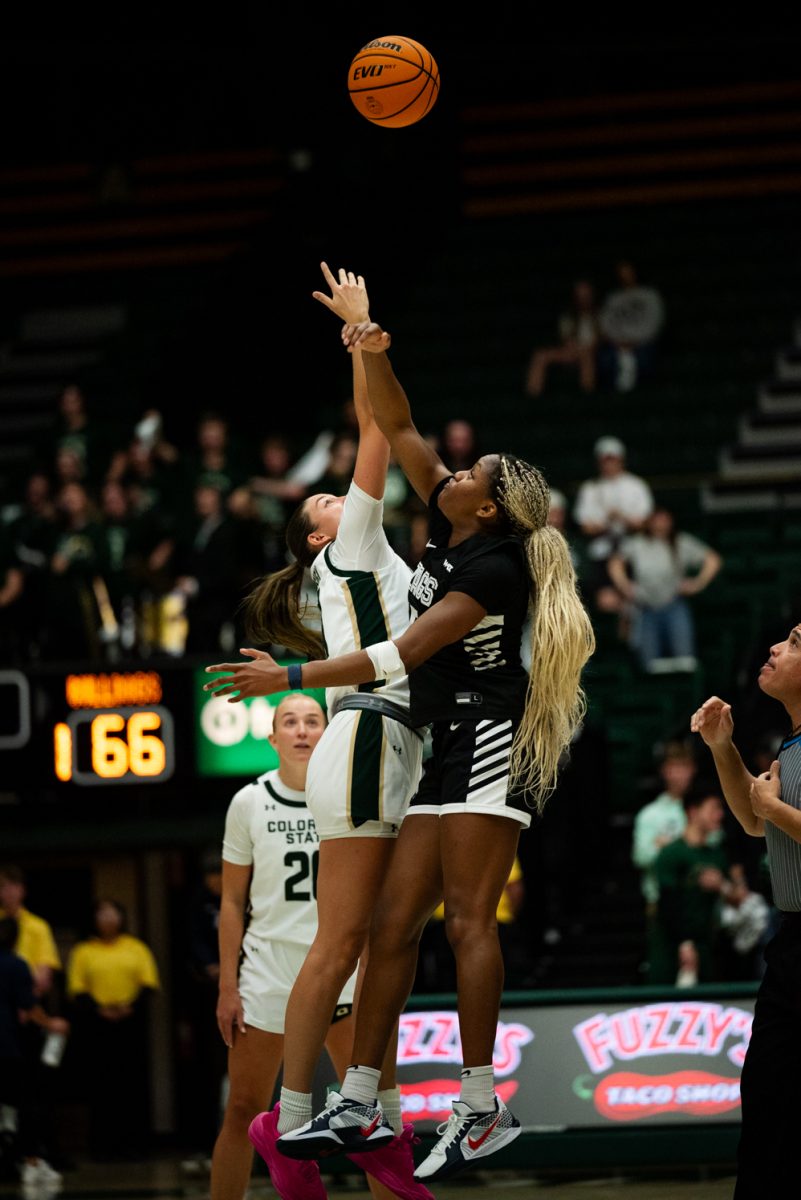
(481, 674)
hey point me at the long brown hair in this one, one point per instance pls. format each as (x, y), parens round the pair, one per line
(274, 611)
(562, 638)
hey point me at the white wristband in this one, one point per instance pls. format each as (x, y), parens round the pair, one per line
(385, 658)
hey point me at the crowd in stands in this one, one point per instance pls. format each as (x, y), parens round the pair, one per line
(119, 544)
(614, 343)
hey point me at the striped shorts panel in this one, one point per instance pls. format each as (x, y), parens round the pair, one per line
(468, 771)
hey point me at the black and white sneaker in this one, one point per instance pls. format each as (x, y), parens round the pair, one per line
(466, 1137)
(342, 1125)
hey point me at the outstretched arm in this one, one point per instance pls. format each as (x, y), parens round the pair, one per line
(421, 465)
(349, 301)
(372, 458)
(447, 621)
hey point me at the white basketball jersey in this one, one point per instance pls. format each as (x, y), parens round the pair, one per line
(364, 591)
(269, 827)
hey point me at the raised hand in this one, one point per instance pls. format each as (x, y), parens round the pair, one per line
(348, 299)
(366, 335)
(261, 677)
(713, 720)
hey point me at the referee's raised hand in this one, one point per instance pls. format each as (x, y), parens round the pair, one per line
(714, 722)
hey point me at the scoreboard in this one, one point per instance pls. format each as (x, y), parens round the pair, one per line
(116, 731)
(64, 729)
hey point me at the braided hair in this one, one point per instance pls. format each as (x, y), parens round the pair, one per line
(562, 638)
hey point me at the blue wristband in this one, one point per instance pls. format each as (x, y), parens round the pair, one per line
(294, 674)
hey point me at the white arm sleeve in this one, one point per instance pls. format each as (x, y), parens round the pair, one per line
(237, 840)
(361, 544)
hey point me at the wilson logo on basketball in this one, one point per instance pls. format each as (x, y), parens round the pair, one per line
(384, 46)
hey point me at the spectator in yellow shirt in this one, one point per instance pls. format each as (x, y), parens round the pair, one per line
(109, 978)
(35, 941)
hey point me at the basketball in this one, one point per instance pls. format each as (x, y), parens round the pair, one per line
(393, 81)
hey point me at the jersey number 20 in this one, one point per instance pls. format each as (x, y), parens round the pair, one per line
(307, 866)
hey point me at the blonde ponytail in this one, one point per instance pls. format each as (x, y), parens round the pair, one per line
(562, 638)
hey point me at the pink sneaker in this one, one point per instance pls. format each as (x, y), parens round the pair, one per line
(292, 1179)
(393, 1166)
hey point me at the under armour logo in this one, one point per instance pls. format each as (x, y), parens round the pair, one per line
(398, 750)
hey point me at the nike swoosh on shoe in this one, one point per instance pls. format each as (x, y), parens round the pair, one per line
(474, 1144)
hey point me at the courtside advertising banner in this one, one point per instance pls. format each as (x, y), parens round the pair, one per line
(583, 1066)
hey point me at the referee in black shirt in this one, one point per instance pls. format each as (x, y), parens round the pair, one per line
(769, 806)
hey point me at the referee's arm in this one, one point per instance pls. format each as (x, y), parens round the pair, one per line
(713, 720)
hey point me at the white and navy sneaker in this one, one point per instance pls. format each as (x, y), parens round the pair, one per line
(342, 1125)
(468, 1136)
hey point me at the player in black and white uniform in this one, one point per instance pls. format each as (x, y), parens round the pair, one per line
(498, 736)
(472, 690)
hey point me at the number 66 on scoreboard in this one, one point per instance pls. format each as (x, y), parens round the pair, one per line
(121, 745)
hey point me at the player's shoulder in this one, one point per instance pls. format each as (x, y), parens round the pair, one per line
(505, 553)
(248, 792)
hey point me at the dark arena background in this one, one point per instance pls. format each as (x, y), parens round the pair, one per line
(164, 374)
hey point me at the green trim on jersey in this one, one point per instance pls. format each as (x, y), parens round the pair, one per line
(365, 781)
(367, 608)
(283, 799)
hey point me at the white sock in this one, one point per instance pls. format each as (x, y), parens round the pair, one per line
(391, 1104)
(296, 1110)
(478, 1088)
(361, 1083)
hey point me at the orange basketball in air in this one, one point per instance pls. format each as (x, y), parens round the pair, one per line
(393, 81)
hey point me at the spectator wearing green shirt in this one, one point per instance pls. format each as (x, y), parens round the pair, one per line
(663, 820)
(692, 876)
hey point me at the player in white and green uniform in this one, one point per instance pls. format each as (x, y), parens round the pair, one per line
(366, 768)
(269, 829)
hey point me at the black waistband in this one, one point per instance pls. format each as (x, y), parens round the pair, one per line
(373, 703)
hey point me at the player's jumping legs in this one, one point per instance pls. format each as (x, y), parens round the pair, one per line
(411, 892)
(477, 853)
(344, 908)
